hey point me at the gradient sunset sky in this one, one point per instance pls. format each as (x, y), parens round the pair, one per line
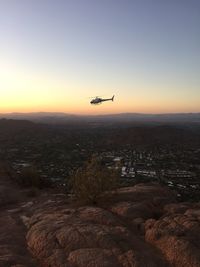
(54, 54)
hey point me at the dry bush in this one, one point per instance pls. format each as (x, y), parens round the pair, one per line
(89, 182)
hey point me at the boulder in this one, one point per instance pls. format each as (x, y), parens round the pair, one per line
(97, 236)
(177, 236)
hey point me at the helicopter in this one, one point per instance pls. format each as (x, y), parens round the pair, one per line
(97, 100)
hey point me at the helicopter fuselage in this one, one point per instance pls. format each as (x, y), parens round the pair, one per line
(99, 100)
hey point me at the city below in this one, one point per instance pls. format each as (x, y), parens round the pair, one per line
(163, 153)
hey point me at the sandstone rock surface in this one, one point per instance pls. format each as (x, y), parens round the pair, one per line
(87, 237)
(177, 236)
(140, 226)
(95, 236)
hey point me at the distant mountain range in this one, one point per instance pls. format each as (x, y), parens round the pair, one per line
(62, 118)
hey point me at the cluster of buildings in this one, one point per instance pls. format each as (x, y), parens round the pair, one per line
(176, 168)
(181, 173)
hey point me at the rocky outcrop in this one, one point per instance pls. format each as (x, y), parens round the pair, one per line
(87, 236)
(140, 226)
(13, 247)
(156, 194)
(177, 234)
(13, 250)
(94, 236)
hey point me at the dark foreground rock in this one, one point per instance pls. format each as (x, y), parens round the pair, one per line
(87, 236)
(13, 249)
(140, 226)
(94, 236)
(177, 235)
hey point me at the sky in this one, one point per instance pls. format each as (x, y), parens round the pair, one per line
(56, 54)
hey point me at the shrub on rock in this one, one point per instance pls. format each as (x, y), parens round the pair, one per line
(89, 182)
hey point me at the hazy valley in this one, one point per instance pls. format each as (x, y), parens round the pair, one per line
(156, 203)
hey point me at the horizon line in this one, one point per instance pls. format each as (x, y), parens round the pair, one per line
(105, 114)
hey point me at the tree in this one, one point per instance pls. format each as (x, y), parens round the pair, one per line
(89, 182)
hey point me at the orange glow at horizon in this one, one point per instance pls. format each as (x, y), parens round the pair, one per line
(26, 91)
(87, 109)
